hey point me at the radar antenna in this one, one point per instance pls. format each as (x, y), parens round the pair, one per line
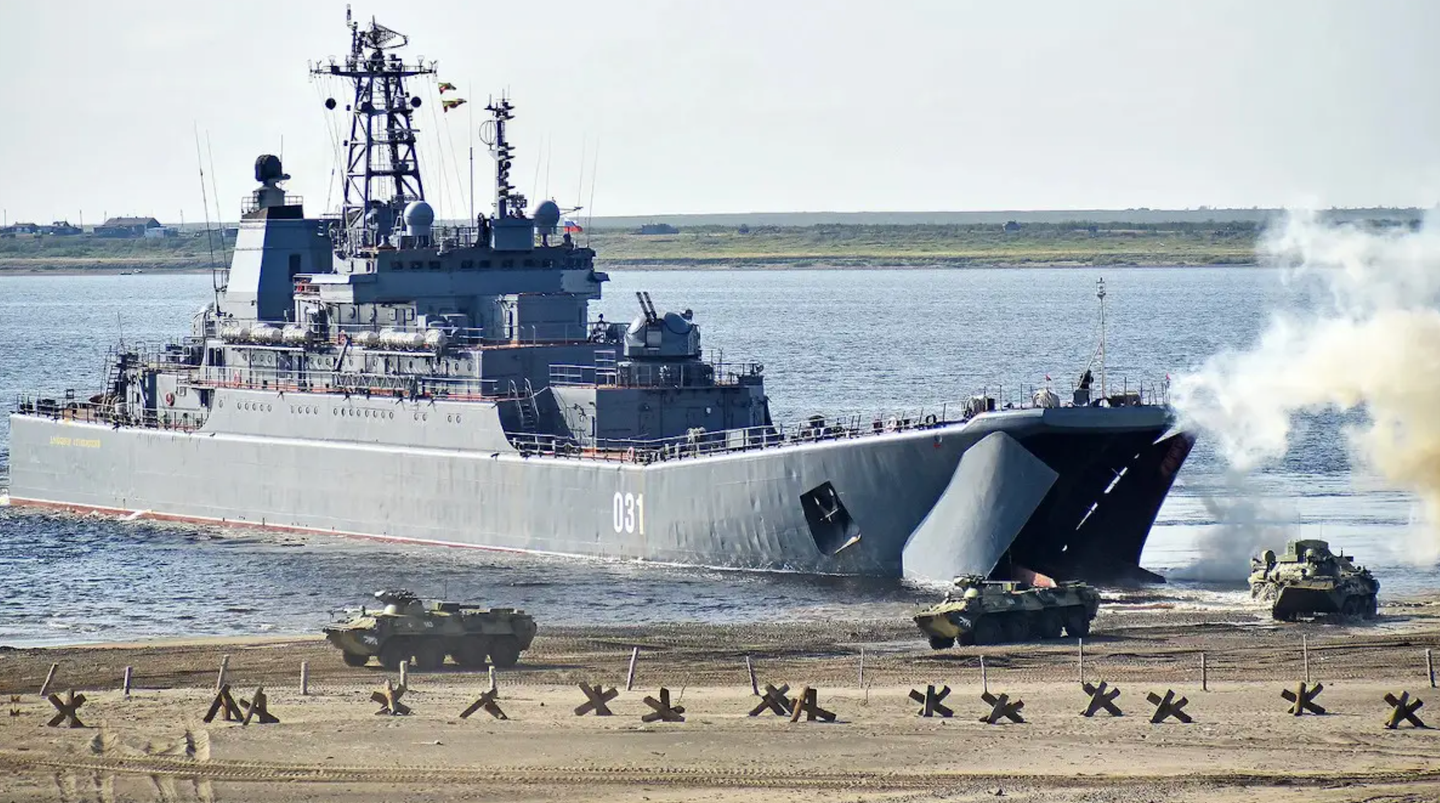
(508, 203)
(381, 148)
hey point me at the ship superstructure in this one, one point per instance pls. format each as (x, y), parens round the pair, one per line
(378, 374)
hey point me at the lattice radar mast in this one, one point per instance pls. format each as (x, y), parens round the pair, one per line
(382, 166)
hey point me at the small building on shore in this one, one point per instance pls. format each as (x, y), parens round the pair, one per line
(122, 227)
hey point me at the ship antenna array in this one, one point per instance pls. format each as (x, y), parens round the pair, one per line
(382, 142)
(215, 283)
(492, 133)
(1100, 294)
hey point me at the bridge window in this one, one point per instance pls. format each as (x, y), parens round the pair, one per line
(417, 265)
(467, 264)
(397, 265)
(435, 264)
(484, 263)
(529, 263)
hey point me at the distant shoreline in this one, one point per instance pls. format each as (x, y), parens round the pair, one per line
(692, 265)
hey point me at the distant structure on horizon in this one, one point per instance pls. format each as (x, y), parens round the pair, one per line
(128, 227)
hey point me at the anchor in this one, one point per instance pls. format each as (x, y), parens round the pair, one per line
(775, 700)
(1405, 709)
(1002, 708)
(597, 696)
(69, 710)
(224, 704)
(663, 709)
(932, 701)
(807, 704)
(1303, 699)
(1167, 707)
(1102, 698)
(389, 699)
(487, 704)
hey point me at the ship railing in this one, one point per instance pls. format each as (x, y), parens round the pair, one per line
(105, 410)
(820, 427)
(381, 336)
(646, 375)
(250, 204)
(352, 382)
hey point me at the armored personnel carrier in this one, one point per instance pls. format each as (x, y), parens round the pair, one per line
(977, 611)
(406, 629)
(1309, 579)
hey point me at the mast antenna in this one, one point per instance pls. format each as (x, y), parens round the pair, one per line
(1100, 294)
(209, 235)
(382, 167)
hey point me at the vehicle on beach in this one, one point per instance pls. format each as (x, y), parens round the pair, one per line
(1309, 580)
(406, 629)
(977, 611)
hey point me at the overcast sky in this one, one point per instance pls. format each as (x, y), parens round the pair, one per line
(746, 106)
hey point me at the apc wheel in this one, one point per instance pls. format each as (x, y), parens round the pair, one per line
(393, 652)
(1371, 608)
(354, 658)
(1049, 624)
(1077, 624)
(470, 653)
(504, 652)
(429, 655)
(941, 643)
(1017, 627)
(988, 631)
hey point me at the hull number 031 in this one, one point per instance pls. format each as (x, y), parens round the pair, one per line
(628, 513)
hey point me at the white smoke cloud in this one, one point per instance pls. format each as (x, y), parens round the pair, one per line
(1373, 345)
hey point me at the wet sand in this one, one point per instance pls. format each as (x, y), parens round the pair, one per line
(330, 745)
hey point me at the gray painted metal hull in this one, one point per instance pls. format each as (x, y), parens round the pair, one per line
(326, 470)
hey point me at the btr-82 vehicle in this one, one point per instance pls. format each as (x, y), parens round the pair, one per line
(978, 611)
(1309, 579)
(406, 629)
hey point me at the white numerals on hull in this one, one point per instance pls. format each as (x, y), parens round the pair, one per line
(628, 513)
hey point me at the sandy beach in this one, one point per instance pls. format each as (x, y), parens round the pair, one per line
(330, 744)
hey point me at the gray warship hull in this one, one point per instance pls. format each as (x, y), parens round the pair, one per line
(372, 373)
(929, 502)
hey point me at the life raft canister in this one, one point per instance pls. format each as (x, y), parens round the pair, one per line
(170, 399)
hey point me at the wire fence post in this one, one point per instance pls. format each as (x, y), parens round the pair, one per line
(754, 685)
(1430, 667)
(984, 681)
(630, 675)
(1305, 656)
(49, 678)
(862, 668)
(129, 675)
(492, 679)
(304, 678)
(404, 674)
(1080, 645)
(1204, 674)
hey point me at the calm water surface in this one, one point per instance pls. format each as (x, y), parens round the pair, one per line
(831, 341)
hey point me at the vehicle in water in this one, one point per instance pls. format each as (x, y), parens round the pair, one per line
(406, 629)
(979, 612)
(377, 373)
(1309, 579)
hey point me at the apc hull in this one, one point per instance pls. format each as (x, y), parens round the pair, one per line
(931, 503)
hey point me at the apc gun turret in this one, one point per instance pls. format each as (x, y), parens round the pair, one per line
(1309, 579)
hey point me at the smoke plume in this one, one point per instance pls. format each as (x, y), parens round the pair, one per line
(1370, 343)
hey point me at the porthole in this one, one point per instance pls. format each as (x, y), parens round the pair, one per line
(334, 411)
(424, 416)
(457, 419)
